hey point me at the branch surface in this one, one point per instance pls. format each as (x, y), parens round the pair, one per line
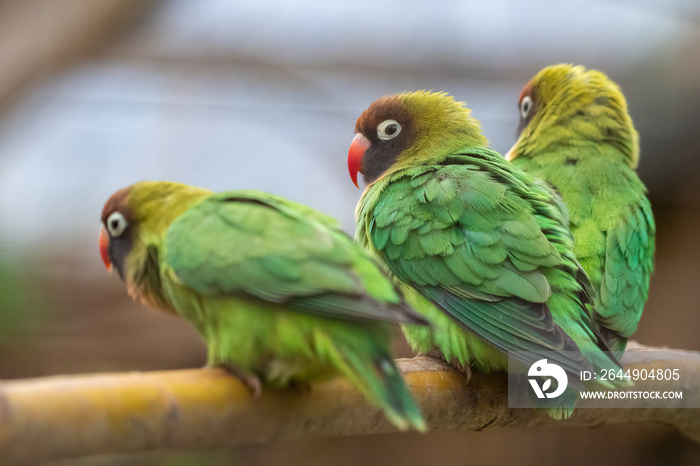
(62, 417)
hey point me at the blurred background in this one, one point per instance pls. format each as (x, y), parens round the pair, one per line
(95, 95)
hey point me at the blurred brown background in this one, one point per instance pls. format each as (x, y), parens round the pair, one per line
(95, 95)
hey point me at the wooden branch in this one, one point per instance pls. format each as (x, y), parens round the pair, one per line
(61, 417)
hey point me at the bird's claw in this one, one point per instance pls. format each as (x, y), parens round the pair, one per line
(251, 382)
(466, 370)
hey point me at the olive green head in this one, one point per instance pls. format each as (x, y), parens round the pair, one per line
(410, 129)
(136, 217)
(565, 105)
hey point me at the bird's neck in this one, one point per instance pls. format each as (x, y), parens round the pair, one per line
(143, 277)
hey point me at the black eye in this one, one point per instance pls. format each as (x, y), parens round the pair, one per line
(525, 106)
(116, 224)
(388, 129)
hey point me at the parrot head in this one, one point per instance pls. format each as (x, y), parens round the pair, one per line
(571, 102)
(135, 218)
(410, 129)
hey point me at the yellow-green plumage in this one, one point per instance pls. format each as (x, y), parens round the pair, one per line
(481, 249)
(278, 292)
(578, 137)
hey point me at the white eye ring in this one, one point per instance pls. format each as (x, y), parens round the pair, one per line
(116, 224)
(525, 106)
(388, 129)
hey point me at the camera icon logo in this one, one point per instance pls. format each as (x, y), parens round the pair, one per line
(542, 368)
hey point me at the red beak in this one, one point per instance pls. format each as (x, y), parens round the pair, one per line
(357, 151)
(104, 247)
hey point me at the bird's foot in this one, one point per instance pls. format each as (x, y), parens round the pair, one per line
(251, 382)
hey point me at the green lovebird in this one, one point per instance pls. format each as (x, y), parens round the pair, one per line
(576, 134)
(279, 293)
(480, 248)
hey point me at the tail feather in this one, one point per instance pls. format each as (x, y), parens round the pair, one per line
(614, 340)
(596, 351)
(395, 396)
(380, 381)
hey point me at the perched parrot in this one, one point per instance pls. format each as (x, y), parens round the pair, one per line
(576, 134)
(480, 248)
(279, 293)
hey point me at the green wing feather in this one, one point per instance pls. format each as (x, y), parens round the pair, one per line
(629, 252)
(482, 242)
(237, 243)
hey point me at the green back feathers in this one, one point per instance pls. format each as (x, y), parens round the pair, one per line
(248, 243)
(572, 105)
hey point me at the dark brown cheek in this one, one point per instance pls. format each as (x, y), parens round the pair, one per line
(383, 154)
(119, 249)
(378, 159)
